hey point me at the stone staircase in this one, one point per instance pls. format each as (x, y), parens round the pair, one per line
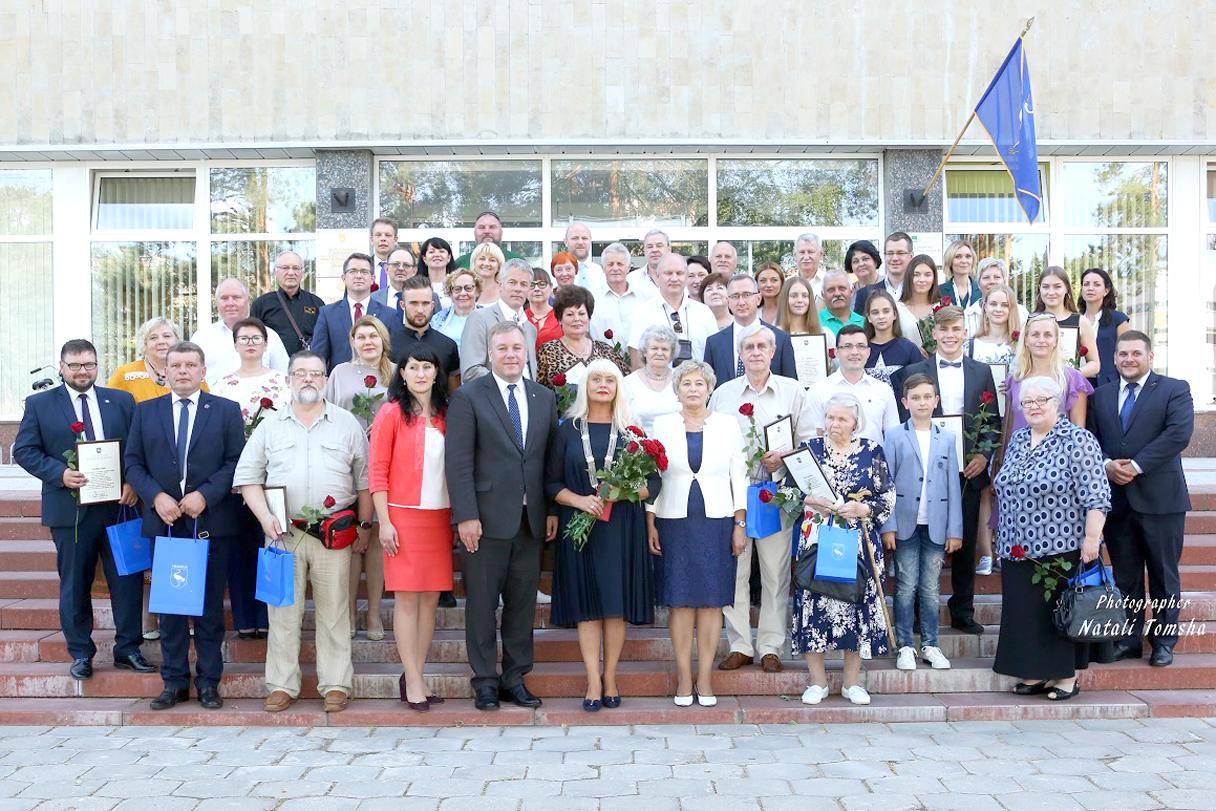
(35, 687)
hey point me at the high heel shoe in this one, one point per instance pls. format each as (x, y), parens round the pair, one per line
(417, 706)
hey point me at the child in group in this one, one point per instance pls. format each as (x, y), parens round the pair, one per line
(927, 522)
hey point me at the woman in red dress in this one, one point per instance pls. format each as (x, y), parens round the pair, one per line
(406, 478)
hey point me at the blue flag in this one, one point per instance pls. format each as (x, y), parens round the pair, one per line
(1006, 111)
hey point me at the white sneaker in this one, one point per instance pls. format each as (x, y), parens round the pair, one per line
(933, 656)
(984, 566)
(542, 598)
(814, 694)
(857, 694)
(907, 658)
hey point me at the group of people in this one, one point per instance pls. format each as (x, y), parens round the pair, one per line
(480, 398)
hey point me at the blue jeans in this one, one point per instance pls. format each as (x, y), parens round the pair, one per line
(918, 567)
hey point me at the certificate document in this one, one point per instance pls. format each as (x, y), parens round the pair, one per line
(779, 435)
(101, 464)
(809, 476)
(1070, 343)
(1000, 371)
(276, 500)
(810, 358)
(954, 424)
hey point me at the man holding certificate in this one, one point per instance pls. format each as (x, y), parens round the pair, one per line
(767, 407)
(77, 507)
(965, 387)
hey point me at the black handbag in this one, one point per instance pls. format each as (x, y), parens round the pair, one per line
(1091, 613)
(804, 578)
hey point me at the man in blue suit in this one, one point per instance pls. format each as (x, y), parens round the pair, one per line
(180, 458)
(45, 435)
(1143, 423)
(722, 348)
(331, 335)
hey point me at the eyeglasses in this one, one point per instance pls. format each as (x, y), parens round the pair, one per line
(676, 326)
(740, 296)
(539, 285)
(463, 288)
(303, 374)
(400, 265)
(90, 366)
(357, 272)
(250, 340)
(1037, 402)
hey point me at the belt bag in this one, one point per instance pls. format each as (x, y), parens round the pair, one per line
(337, 531)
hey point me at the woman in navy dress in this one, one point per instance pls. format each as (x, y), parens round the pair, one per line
(1098, 308)
(858, 472)
(697, 524)
(607, 583)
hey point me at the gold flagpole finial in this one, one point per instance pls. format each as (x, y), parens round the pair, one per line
(1029, 23)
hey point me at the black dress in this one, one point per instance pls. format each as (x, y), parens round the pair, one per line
(611, 577)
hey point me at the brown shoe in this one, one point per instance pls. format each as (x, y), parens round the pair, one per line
(735, 661)
(769, 663)
(335, 701)
(278, 701)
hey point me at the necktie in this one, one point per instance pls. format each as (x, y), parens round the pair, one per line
(183, 432)
(1125, 413)
(513, 412)
(358, 310)
(739, 368)
(383, 275)
(945, 364)
(86, 418)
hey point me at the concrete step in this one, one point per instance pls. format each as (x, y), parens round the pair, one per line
(28, 556)
(1201, 522)
(23, 528)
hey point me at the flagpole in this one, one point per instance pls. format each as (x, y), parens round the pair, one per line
(941, 166)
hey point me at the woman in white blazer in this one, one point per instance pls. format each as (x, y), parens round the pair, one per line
(697, 524)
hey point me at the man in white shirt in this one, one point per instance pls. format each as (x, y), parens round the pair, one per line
(656, 244)
(724, 258)
(515, 280)
(692, 321)
(232, 304)
(808, 253)
(877, 398)
(617, 302)
(771, 397)
(578, 242)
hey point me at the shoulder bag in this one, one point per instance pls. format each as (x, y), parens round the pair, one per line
(292, 320)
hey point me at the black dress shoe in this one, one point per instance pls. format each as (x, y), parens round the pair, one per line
(447, 599)
(170, 698)
(136, 662)
(519, 695)
(82, 669)
(967, 625)
(485, 698)
(209, 697)
(1163, 656)
(1127, 652)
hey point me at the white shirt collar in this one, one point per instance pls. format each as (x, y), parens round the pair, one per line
(507, 312)
(502, 384)
(91, 393)
(193, 398)
(1139, 381)
(353, 301)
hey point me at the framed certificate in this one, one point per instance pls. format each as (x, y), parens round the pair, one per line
(1070, 342)
(810, 357)
(276, 500)
(809, 476)
(101, 464)
(954, 424)
(1000, 371)
(779, 435)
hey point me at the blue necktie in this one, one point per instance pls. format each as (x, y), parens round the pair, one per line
(87, 418)
(513, 412)
(183, 431)
(739, 368)
(1125, 413)
(383, 275)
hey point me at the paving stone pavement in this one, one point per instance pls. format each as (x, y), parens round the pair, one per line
(975, 766)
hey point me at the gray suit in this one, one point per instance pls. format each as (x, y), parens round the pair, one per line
(474, 343)
(945, 509)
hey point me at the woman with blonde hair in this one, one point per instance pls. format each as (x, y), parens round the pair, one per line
(999, 328)
(1038, 355)
(771, 279)
(486, 260)
(959, 261)
(463, 287)
(1055, 296)
(607, 583)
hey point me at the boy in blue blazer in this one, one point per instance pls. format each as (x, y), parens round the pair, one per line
(927, 522)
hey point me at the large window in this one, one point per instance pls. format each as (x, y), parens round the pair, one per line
(650, 193)
(450, 194)
(798, 193)
(26, 288)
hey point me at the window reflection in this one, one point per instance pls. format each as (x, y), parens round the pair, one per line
(631, 192)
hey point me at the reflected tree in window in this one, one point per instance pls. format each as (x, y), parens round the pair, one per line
(25, 202)
(1025, 255)
(798, 192)
(631, 193)
(450, 194)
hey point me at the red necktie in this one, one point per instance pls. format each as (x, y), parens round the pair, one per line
(358, 310)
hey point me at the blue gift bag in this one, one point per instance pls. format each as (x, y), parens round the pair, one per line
(132, 551)
(276, 576)
(762, 519)
(179, 574)
(1091, 577)
(838, 548)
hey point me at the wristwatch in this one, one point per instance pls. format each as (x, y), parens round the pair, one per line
(740, 524)
(365, 525)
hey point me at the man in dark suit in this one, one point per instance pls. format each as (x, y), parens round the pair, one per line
(499, 428)
(964, 386)
(331, 336)
(898, 252)
(47, 433)
(180, 458)
(1143, 423)
(722, 348)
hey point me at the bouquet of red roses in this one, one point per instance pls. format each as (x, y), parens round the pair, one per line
(621, 480)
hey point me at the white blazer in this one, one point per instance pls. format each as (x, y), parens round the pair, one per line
(723, 471)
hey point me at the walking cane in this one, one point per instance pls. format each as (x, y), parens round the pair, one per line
(882, 600)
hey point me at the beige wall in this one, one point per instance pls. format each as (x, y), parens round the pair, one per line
(119, 71)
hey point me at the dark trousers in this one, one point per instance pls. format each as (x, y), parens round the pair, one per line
(208, 629)
(510, 568)
(76, 553)
(248, 613)
(1137, 542)
(962, 562)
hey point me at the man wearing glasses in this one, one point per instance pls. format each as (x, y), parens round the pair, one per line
(401, 267)
(723, 349)
(897, 253)
(331, 339)
(291, 311)
(215, 339)
(877, 398)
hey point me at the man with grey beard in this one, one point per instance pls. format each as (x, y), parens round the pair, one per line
(317, 452)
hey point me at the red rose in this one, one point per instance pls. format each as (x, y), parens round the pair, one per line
(986, 398)
(747, 410)
(375, 287)
(658, 447)
(766, 496)
(632, 447)
(831, 352)
(77, 427)
(329, 502)
(608, 334)
(266, 402)
(1083, 351)
(947, 301)
(370, 381)
(636, 431)
(559, 379)
(661, 462)
(1013, 336)
(1018, 552)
